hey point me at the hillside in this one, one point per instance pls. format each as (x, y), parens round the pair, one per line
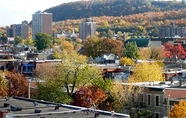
(96, 8)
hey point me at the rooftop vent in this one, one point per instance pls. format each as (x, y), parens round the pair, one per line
(7, 98)
(37, 111)
(15, 108)
(6, 104)
(57, 107)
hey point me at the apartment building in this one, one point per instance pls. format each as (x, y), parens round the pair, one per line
(171, 31)
(21, 30)
(41, 22)
(158, 96)
(87, 28)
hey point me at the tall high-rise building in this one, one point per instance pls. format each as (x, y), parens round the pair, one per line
(87, 28)
(41, 22)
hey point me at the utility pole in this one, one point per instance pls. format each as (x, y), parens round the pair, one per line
(168, 107)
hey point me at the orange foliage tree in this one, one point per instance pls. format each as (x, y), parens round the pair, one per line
(173, 51)
(18, 84)
(88, 96)
(179, 110)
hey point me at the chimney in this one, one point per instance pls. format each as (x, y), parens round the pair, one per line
(3, 113)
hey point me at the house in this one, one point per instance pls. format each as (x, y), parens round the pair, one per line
(107, 59)
(32, 108)
(156, 94)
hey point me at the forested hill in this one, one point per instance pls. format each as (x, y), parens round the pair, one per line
(91, 8)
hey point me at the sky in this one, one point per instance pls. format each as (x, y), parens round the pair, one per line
(15, 11)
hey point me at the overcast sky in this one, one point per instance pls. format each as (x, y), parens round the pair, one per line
(15, 11)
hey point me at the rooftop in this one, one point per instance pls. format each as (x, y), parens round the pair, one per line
(31, 108)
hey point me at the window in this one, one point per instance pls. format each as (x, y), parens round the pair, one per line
(157, 115)
(157, 98)
(149, 99)
(132, 97)
(141, 97)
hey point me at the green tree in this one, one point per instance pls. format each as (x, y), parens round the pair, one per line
(3, 38)
(105, 85)
(73, 72)
(131, 50)
(18, 40)
(43, 41)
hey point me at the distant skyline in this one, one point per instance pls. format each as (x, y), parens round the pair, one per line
(15, 11)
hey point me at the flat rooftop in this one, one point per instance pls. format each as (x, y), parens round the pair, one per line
(30, 108)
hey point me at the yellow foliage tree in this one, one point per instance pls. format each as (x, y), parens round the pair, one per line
(67, 46)
(128, 100)
(3, 87)
(147, 71)
(29, 41)
(179, 110)
(126, 61)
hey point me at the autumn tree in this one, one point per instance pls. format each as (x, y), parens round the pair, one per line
(174, 51)
(131, 50)
(144, 53)
(129, 101)
(179, 110)
(126, 61)
(112, 46)
(147, 71)
(43, 41)
(65, 45)
(3, 86)
(29, 41)
(75, 71)
(51, 89)
(95, 46)
(92, 47)
(71, 73)
(157, 53)
(18, 84)
(90, 96)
